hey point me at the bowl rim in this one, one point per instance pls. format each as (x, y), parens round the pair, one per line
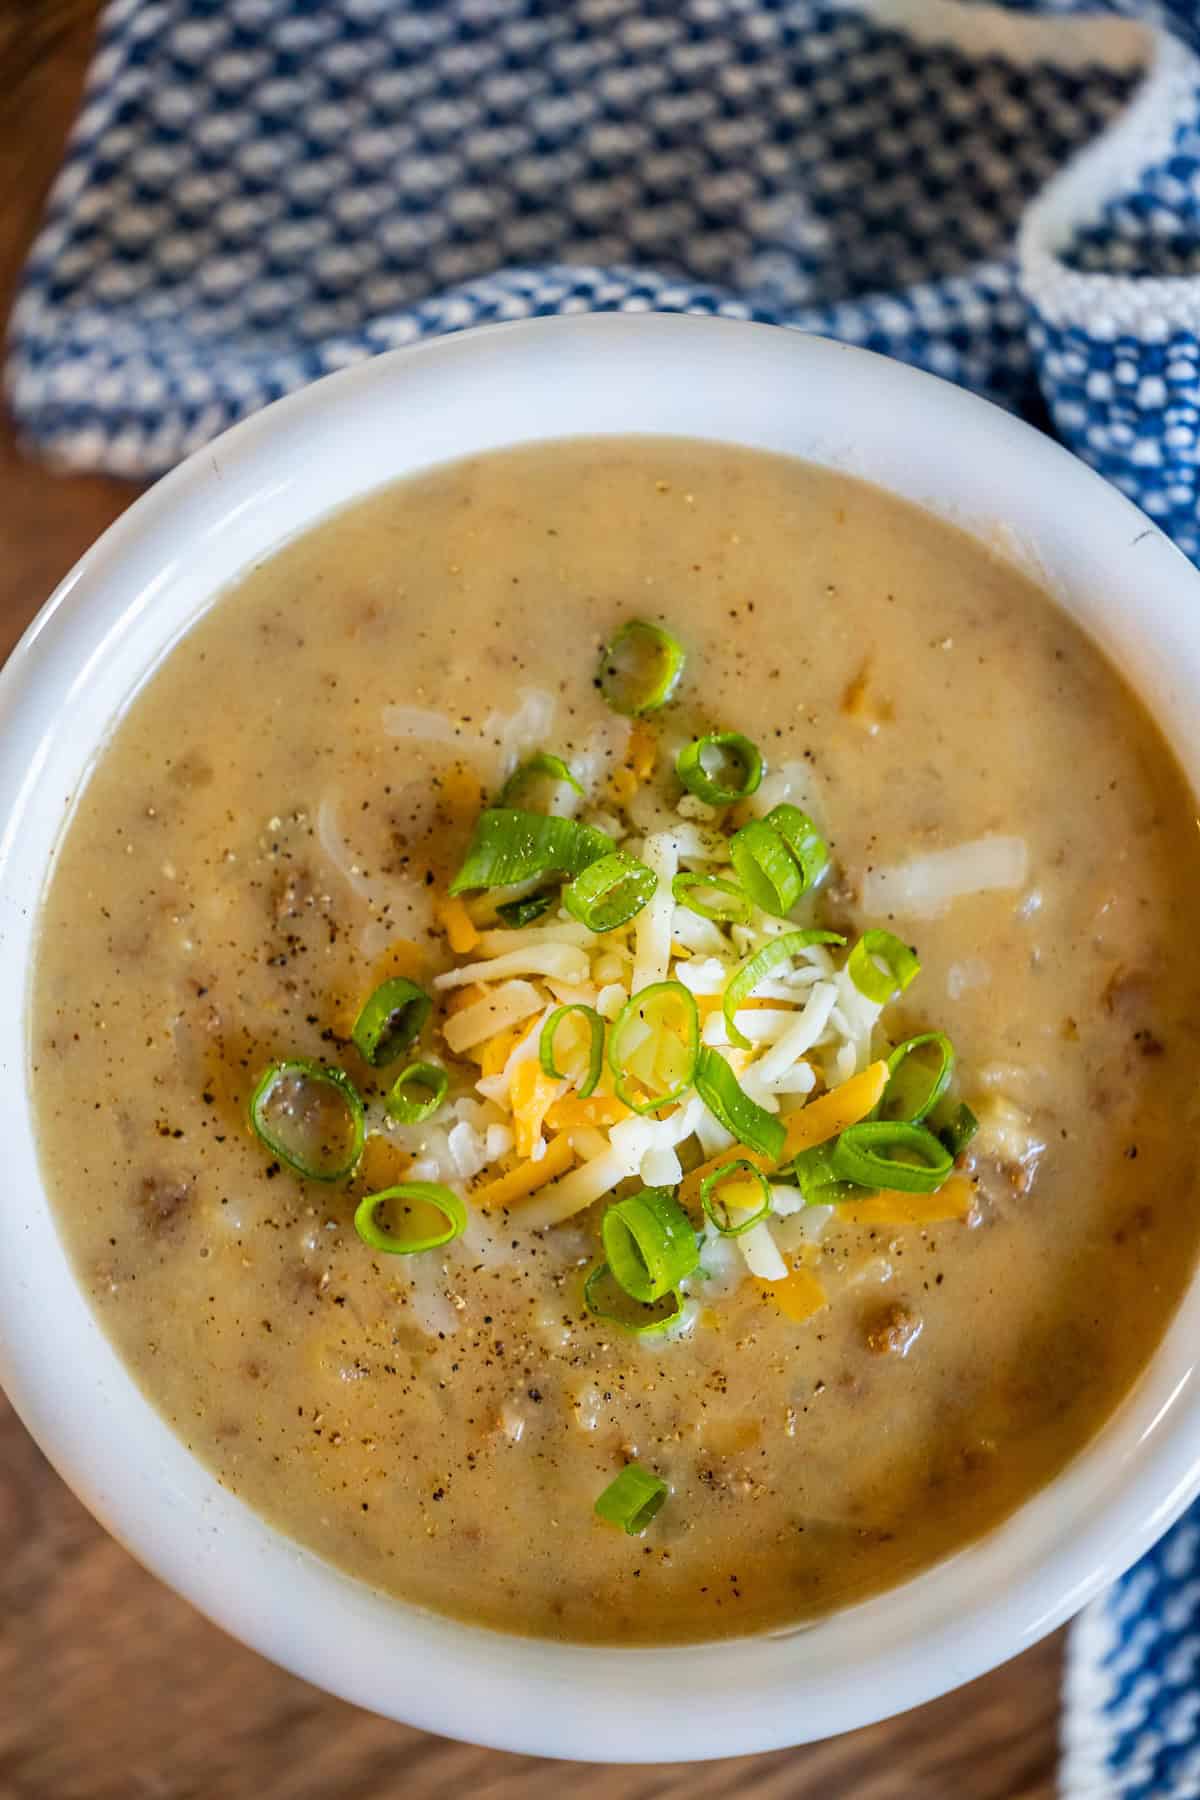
(1104, 562)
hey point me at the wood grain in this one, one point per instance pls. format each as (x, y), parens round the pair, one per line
(113, 1689)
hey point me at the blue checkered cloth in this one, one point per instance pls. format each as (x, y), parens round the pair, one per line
(259, 191)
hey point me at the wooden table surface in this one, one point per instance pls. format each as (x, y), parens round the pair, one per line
(111, 1688)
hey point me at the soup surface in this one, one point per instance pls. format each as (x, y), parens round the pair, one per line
(272, 831)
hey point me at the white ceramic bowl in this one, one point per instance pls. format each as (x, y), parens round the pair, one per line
(110, 623)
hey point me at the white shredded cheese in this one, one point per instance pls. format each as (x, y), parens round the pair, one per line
(698, 935)
(761, 1253)
(761, 1024)
(610, 1000)
(652, 945)
(607, 968)
(563, 961)
(499, 1010)
(660, 1167)
(713, 1136)
(800, 1036)
(588, 1142)
(563, 931)
(498, 1142)
(703, 974)
(468, 1150)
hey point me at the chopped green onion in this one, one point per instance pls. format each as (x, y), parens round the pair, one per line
(732, 1107)
(649, 1244)
(653, 1055)
(711, 1200)
(310, 1117)
(606, 1299)
(610, 892)
(803, 840)
(640, 669)
(632, 1500)
(766, 868)
(733, 911)
(812, 1170)
(595, 1059)
(762, 963)
(543, 763)
(517, 913)
(954, 1126)
(391, 1020)
(509, 846)
(406, 1196)
(726, 747)
(413, 1109)
(880, 1153)
(901, 966)
(914, 1088)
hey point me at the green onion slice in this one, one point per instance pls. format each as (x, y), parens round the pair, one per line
(654, 1045)
(632, 1500)
(411, 1107)
(717, 1209)
(955, 1126)
(734, 909)
(509, 846)
(766, 868)
(813, 1173)
(407, 1197)
(310, 1117)
(391, 1020)
(804, 841)
(732, 1107)
(544, 764)
(640, 669)
(606, 1299)
(595, 1059)
(900, 966)
(649, 1244)
(727, 749)
(762, 963)
(917, 1080)
(517, 913)
(889, 1153)
(610, 892)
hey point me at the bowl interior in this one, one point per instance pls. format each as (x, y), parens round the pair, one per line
(110, 624)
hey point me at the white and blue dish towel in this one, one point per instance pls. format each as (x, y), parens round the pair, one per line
(259, 191)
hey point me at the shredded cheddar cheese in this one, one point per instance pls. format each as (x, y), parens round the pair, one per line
(598, 1109)
(455, 921)
(953, 1200)
(533, 1092)
(527, 1177)
(798, 1297)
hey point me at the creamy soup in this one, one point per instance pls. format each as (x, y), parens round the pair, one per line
(921, 1323)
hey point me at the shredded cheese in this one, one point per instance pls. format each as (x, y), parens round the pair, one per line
(652, 932)
(761, 1254)
(561, 960)
(455, 921)
(597, 1109)
(953, 1200)
(526, 1178)
(815, 1123)
(496, 1010)
(532, 1094)
(798, 1296)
